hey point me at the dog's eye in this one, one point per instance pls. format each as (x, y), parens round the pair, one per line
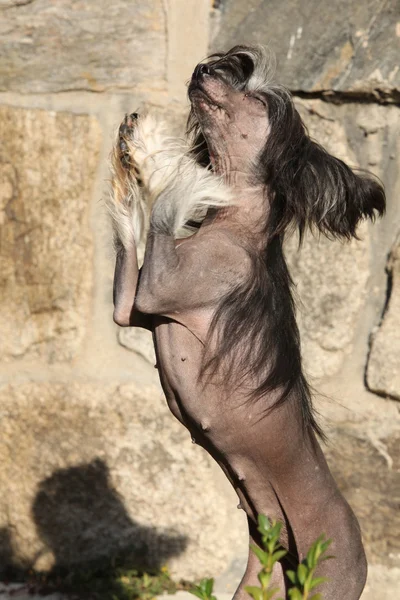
(258, 99)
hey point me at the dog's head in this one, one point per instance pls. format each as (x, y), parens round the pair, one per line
(240, 120)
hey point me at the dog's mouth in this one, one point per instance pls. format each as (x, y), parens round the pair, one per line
(198, 94)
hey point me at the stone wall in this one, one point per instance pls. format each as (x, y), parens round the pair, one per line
(91, 462)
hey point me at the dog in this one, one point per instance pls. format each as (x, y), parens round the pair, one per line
(215, 290)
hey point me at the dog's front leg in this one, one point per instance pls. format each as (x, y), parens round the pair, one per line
(128, 211)
(126, 275)
(153, 172)
(183, 279)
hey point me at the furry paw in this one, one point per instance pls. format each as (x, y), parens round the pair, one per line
(126, 202)
(126, 138)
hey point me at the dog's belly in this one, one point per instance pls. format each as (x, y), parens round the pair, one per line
(218, 418)
(217, 410)
(217, 413)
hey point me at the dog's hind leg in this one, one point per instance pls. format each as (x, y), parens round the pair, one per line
(250, 577)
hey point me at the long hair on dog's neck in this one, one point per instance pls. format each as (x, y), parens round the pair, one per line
(255, 326)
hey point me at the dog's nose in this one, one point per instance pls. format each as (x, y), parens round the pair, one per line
(201, 70)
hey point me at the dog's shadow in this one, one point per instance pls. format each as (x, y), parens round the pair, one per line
(82, 521)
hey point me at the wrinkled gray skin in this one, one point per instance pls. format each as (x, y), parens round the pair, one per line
(276, 467)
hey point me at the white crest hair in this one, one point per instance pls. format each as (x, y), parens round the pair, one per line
(264, 60)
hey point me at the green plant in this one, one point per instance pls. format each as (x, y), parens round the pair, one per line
(111, 578)
(303, 579)
(272, 553)
(204, 590)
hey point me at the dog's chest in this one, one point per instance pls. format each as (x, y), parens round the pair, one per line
(179, 356)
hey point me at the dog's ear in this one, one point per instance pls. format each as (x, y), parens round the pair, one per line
(329, 195)
(310, 187)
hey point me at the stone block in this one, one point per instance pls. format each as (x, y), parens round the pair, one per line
(339, 283)
(139, 341)
(330, 280)
(89, 471)
(321, 46)
(367, 472)
(383, 373)
(48, 164)
(330, 276)
(83, 45)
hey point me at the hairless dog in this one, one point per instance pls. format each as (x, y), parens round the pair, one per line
(215, 291)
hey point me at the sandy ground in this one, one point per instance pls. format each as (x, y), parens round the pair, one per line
(383, 584)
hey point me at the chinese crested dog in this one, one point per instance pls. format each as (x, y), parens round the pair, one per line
(215, 291)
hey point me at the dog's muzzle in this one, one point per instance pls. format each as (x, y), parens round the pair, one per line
(198, 77)
(200, 71)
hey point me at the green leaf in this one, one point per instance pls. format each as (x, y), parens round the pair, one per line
(270, 546)
(255, 592)
(208, 586)
(278, 555)
(295, 594)
(317, 554)
(319, 541)
(325, 545)
(310, 559)
(327, 557)
(316, 597)
(317, 581)
(302, 573)
(320, 547)
(264, 524)
(264, 578)
(276, 530)
(291, 575)
(196, 592)
(261, 555)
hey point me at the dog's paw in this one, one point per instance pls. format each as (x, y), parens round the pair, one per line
(126, 132)
(126, 145)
